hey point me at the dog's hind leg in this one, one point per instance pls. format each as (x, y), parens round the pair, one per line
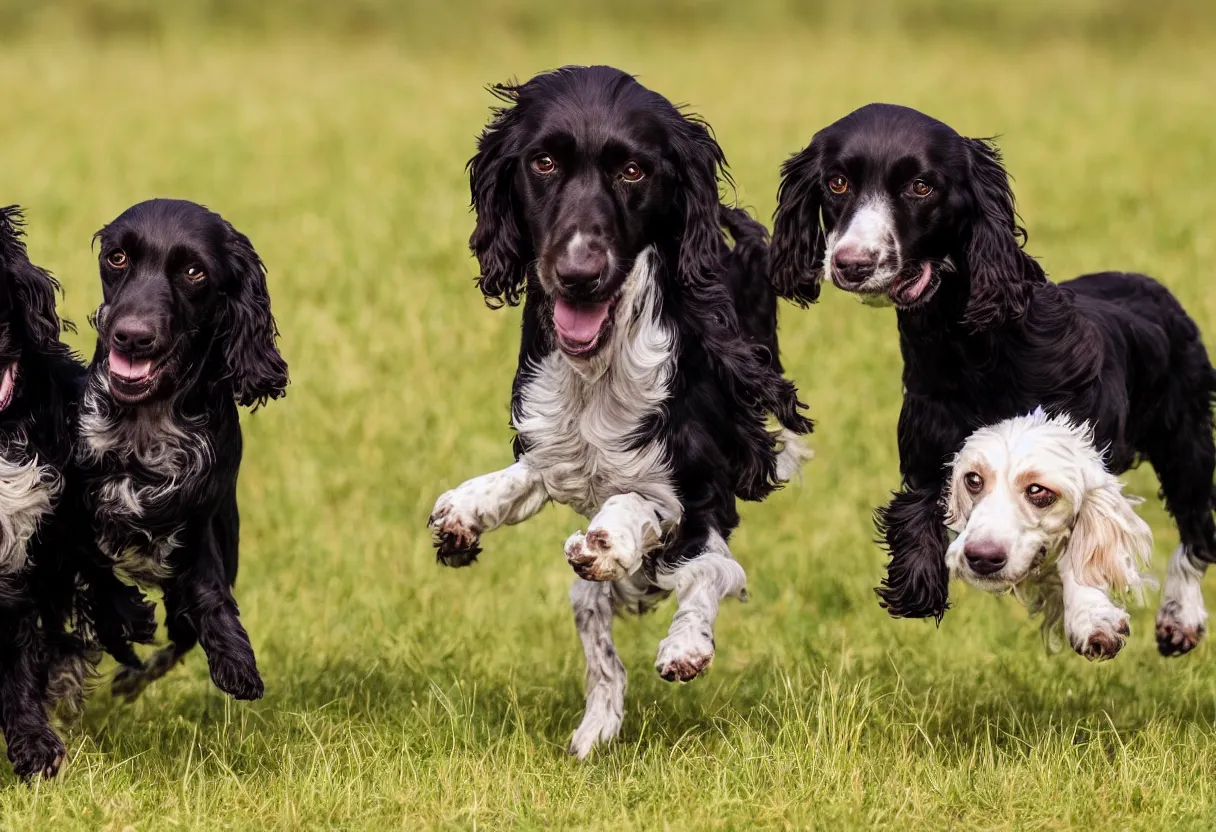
(482, 504)
(700, 584)
(1184, 457)
(605, 684)
(130, 681)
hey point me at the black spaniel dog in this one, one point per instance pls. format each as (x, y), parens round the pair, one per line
(56, 597)
(916, 216)
(647, 365)
(185, 335)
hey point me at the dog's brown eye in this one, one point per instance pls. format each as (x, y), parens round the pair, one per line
(632, 173)
(1039, 496)
(920, 187)
(544, 164)
(838, 184)
(195, 273)
(117, 259)
(974, 482)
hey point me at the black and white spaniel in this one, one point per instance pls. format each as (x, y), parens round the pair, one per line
(647, 367)
(185, 336)
(51, 589)
(900, 209)
(1037, 514)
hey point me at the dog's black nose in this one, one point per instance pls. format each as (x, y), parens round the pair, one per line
(133, 337)
(985, 557)
(853, 265)
(583, 261)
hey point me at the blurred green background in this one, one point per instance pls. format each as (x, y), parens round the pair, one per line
(400, 695)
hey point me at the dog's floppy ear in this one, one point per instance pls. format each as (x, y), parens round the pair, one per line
(1002, 274)
(31, 289)
(1110, 543)
(918, 582)
(798, 239)
(699, 161)
(255, 367)
(498, 240)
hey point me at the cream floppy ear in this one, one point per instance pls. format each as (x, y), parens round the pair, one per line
(955, 507)
(1110, 543)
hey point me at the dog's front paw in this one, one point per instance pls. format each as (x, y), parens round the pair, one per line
(602, 555)
(1179, 629)
(238, 679)
(455, 532)
(683, 656)
(1099, 635)
(38, 756)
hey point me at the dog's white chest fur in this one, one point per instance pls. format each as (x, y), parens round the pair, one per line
(27, 494)
(580, 417)
(159, 455)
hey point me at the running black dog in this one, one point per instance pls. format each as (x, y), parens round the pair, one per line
(185, 336)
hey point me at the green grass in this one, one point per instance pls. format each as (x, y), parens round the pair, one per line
(400, 695)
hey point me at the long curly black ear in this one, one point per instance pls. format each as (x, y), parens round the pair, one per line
(1003, 276)
(498, 240)
(256, 369)
(699, 162)
(32, 290)
(798, 239)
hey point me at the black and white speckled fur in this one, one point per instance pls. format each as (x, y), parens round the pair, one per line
(655, 432)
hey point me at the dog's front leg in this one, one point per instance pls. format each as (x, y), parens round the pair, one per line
(913, 525)
(700, 584)
(626, 528)
(199, 603)
(480, 505)
(33, 746)
(1093, 625)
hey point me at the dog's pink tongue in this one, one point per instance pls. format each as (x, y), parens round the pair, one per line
(128, 369)
(579, 322)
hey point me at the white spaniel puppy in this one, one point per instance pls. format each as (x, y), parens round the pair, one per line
(1037, 513)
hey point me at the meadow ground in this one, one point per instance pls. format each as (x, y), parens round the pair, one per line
(401, 695)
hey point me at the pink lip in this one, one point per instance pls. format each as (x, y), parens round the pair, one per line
(907, 292)
(8, 383)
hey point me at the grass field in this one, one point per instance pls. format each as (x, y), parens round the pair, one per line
(400, 695)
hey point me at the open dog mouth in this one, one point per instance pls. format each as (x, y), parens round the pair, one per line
(8, 385)
(912, 286)
(132, 380)
(583, 327)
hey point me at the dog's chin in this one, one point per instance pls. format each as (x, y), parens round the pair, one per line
(135, 382)
(583, 328)
(994, 584)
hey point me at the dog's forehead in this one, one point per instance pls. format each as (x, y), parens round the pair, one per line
(594, 122)
(164, 227)
(883, 134)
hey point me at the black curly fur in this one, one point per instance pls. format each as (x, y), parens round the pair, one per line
(63, 598)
